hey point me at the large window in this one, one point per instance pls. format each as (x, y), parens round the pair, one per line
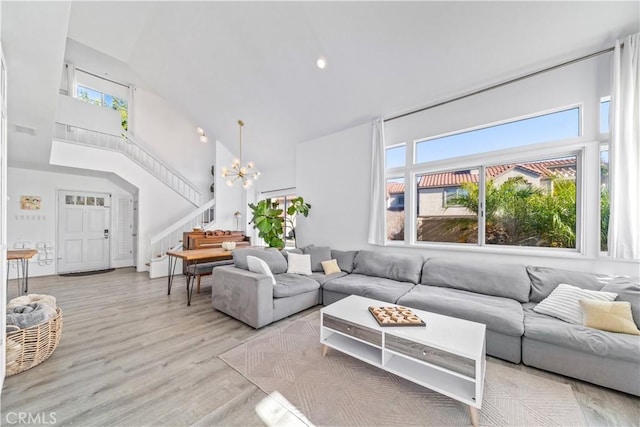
(531, 200)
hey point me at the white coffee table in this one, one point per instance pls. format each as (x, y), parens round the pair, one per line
(447, 355)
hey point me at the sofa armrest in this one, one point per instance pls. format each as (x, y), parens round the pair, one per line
(243, 295)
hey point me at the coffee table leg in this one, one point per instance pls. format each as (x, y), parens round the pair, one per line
(325, 350)
(474, 415)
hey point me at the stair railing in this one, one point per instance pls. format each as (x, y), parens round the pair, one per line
(126, 145)
(171, 237)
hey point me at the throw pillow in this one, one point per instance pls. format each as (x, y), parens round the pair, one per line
(256, 265)
(608, 316)
(318, 254)
(330, 266)
(564, 302)
(299, 264)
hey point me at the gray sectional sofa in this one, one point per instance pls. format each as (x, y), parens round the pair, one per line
(502, 296)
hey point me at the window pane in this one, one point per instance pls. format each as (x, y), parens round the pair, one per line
(396, 156)
(532, 203)
(604, 116)
(447, 207)
(604, 199)
(548, 127)
(89, 95)
(395, 209)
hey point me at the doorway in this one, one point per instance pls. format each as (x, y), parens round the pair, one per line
(84, 238)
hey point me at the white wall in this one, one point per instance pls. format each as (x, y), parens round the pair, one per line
(158, 206)
(228, 199)
(161, 128)
(73, 112)
(41, 225)
(333, 172)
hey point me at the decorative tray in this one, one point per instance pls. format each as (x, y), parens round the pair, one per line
(395, 316)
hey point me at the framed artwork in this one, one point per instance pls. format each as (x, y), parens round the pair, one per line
(30, 203)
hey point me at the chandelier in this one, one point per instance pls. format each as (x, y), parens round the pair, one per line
(246, 174)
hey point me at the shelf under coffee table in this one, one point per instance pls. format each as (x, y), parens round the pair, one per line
(447, 355)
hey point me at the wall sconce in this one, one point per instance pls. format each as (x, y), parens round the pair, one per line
(203, 137)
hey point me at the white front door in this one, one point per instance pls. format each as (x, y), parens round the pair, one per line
(83, 231)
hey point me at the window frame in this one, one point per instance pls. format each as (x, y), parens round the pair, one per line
(576, 146)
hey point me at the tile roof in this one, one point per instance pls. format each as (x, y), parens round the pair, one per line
(547, 168)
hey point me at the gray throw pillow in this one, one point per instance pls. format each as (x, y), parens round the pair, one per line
(286, 252)
(546, 279)
(389, 265)
(501, 280)
(628, 290)
(272, 256)
(318, 254)
(345, 259)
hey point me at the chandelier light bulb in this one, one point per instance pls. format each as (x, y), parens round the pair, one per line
(204, 139)
(200, 131)
(236, 162)
(250, 165)
(246, 184)
(225, 172)
(321, 62)
(230, 182)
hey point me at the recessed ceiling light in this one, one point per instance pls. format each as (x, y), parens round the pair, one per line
(321, 62)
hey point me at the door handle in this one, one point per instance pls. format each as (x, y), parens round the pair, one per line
(106, 233)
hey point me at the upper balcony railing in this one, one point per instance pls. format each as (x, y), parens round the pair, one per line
(126, 145)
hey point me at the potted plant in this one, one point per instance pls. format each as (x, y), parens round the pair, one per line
(269, 221)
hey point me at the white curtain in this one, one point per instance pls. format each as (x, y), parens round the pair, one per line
(624, 151)
(377, 216)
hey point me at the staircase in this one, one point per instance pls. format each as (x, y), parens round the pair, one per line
(127, 145)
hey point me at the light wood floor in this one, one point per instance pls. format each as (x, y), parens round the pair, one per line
(130, 356)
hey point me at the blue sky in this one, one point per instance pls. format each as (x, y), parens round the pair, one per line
(549, 127)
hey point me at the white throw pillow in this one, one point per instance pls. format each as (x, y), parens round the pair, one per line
(259, 266)
(299, 264)
(564, 302)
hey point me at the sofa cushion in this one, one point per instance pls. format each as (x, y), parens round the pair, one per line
(628, 289)
(400, 267)
(501, 280)
(286, 252)
(274, 259)
(545, 279)
(541, 327)
(318, 254)
(367, 286)
(345, 259)
(288, 285)
(324, 278)
(502, 315)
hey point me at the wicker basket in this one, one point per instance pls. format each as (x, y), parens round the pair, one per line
(29, 347)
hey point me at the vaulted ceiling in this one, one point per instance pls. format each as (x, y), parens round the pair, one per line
(221, 61)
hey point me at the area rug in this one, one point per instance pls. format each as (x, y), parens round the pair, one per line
(338, 390)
